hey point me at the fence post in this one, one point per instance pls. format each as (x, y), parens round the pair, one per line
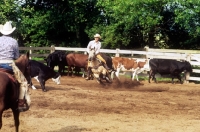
(52, 49)
(187, 74)
(30, 53)
(147, 50)
(117, 52)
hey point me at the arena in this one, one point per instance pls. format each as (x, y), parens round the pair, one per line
(77, 105)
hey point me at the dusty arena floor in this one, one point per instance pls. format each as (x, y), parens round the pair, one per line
(78, 105)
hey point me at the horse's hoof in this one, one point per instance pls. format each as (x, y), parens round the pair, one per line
(33, 87)
(23, 108)
(108, 80)
(87, 78)
(44, 90)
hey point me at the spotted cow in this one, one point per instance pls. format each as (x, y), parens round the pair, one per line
(122, 64)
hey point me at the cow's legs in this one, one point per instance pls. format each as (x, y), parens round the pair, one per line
(117, 73)
(179, 78)
(69, 69)
(133, 76)
(42, 83)
(150, 75)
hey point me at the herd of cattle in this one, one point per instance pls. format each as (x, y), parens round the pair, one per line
(78, 62)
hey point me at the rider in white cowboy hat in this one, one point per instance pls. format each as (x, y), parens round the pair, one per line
(9, 51)
(97, 45)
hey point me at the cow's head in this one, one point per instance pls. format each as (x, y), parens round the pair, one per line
(49, 61)
(188, 67)
(56, 79)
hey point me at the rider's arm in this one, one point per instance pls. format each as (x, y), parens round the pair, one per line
(16, 50)
(89, 46)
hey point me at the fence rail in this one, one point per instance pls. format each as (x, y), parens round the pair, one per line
(193, 56)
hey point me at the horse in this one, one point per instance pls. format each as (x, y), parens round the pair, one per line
(58, 58)
(96, 67)
(9, 89)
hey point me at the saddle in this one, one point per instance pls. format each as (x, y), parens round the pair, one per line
(10, 74)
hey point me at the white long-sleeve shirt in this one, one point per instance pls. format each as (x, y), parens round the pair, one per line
(94, 44)
(9, 49)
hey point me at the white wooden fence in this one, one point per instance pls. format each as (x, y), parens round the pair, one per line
(193, 56)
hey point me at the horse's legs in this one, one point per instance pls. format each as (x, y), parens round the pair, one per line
(16, 118)
(1, 112)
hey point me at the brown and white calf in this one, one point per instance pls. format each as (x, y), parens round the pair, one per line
(122, 64)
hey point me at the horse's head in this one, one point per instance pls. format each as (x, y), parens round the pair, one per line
(24, 66)
(91, 55)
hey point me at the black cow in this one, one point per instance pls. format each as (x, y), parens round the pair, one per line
(57, 58)
(168, 66)
(42, 73)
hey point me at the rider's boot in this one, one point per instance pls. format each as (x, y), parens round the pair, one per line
(22, 102)
(106, 66)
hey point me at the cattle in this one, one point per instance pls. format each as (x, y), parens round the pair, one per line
(42, 73)
(76, 60)
(168, 67)
(129, 65)
(57, 58)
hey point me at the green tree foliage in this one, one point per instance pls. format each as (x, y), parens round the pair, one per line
(123, 24)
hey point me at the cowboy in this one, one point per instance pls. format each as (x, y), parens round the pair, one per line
(9, 51)
(97, 45)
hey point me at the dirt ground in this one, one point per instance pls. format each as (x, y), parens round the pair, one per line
(78, 105)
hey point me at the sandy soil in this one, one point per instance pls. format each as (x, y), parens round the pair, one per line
(78, 105)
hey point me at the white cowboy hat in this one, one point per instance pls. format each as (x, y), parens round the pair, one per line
(7, 28)
(97, 36)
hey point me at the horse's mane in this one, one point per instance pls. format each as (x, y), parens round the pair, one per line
(22, 57)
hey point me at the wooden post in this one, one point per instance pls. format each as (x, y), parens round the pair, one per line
(117, 52)
(187, 74)
(52, 49)
(30, 53)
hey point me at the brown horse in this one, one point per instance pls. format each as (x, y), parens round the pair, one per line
(76, 60)
(9, 90)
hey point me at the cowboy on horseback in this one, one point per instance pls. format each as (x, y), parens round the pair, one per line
(9, 51)
(96, 44)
